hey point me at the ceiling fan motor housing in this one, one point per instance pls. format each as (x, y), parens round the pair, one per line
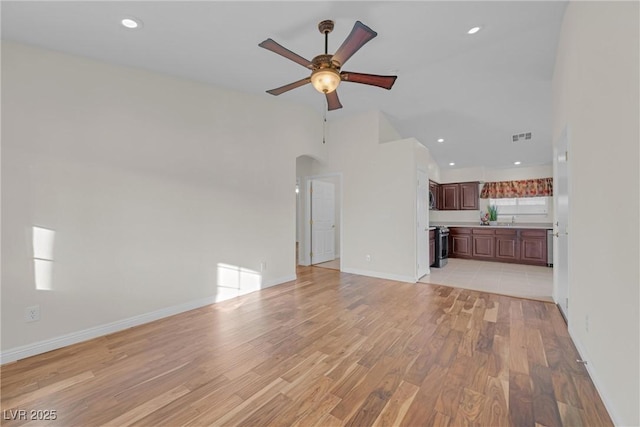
(324, 61)
(325, 27)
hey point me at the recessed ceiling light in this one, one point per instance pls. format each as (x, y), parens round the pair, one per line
(440, 140)
(452, 164)
(516, 163)
(131, 23)
(473, 30)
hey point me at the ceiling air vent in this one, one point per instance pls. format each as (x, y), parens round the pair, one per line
(521, 137)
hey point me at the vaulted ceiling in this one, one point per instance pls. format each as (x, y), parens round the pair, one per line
(473, 91)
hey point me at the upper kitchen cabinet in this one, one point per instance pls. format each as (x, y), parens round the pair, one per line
(459, 196)
(450, 194)
(469, 195)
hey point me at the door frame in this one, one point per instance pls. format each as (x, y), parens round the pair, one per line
(305, 248)
(422, 234)
(558, 294)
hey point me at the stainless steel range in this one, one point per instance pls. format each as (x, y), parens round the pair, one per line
(442, 246)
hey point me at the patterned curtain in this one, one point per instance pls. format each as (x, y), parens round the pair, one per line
(541, 187)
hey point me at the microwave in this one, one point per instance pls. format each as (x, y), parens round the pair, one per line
(432, 200)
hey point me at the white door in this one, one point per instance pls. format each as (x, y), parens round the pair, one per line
(422, 231)
(561, 231)
(323, 221)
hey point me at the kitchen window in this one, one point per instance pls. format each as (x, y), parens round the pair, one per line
(521, 206)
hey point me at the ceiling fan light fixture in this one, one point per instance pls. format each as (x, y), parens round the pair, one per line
(325, 80)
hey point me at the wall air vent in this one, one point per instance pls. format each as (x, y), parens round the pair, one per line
(521, 137)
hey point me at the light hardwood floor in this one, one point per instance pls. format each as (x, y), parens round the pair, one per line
(329, 349)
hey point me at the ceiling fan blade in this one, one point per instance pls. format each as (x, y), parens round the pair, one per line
(285, 88)
(359, 36)
(385, 82)
(333, 102)
(273, 46)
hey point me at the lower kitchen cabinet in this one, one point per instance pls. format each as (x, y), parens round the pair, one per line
(460, 242)
(533, 246)
(483, 243)
(507, 247)
(522, 246)
(432, 247)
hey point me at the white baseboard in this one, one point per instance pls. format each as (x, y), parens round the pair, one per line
(379, 275)
(278, 281)
(594, 378)
(44, 346)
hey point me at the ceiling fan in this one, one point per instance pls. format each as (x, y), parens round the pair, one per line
(325, 68)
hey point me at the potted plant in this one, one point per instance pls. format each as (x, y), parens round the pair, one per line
(493, 214)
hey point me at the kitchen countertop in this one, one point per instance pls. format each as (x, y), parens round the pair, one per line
(531, 225)
(432, 228)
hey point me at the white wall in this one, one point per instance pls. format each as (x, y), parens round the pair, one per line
(489, 175)
(595, 95)
(150, 183)
(379, 184)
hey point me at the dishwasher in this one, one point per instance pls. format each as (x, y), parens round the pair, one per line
(549, 248)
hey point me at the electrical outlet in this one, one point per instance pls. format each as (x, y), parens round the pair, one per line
(367, 257)
(263, 265)
(32, 314)
(586, 323)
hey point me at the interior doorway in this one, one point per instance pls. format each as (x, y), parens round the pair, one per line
(318, 243)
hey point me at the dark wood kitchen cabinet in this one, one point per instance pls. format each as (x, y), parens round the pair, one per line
(469, 197)
(432, 247)
(507, 247)
(521, 246)
(460, 242)
(483, 243)
(459, 196)
(450, 194)
(533, 246)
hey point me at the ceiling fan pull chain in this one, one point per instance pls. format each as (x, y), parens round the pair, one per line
(324, 124)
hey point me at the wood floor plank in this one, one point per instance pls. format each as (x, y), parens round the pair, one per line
(423, 406)
(470, 408)
(594, 412)
(148, 407)
(571, 416)
(495, 411)
(521, 400)
(397, 406)
(545, 405)
(329, 348)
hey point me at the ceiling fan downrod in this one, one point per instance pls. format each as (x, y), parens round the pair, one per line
(325, 27)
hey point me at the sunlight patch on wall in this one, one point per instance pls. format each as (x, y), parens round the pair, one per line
(43, 240)
(234, 281)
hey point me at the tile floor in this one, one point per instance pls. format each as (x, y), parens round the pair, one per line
(525, 281)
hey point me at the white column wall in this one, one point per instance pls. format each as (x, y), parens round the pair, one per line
(379, 188)
(596, 97)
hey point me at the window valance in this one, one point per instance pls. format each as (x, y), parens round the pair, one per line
(541, 187)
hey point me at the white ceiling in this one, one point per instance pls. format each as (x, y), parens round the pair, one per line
(473, 91)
